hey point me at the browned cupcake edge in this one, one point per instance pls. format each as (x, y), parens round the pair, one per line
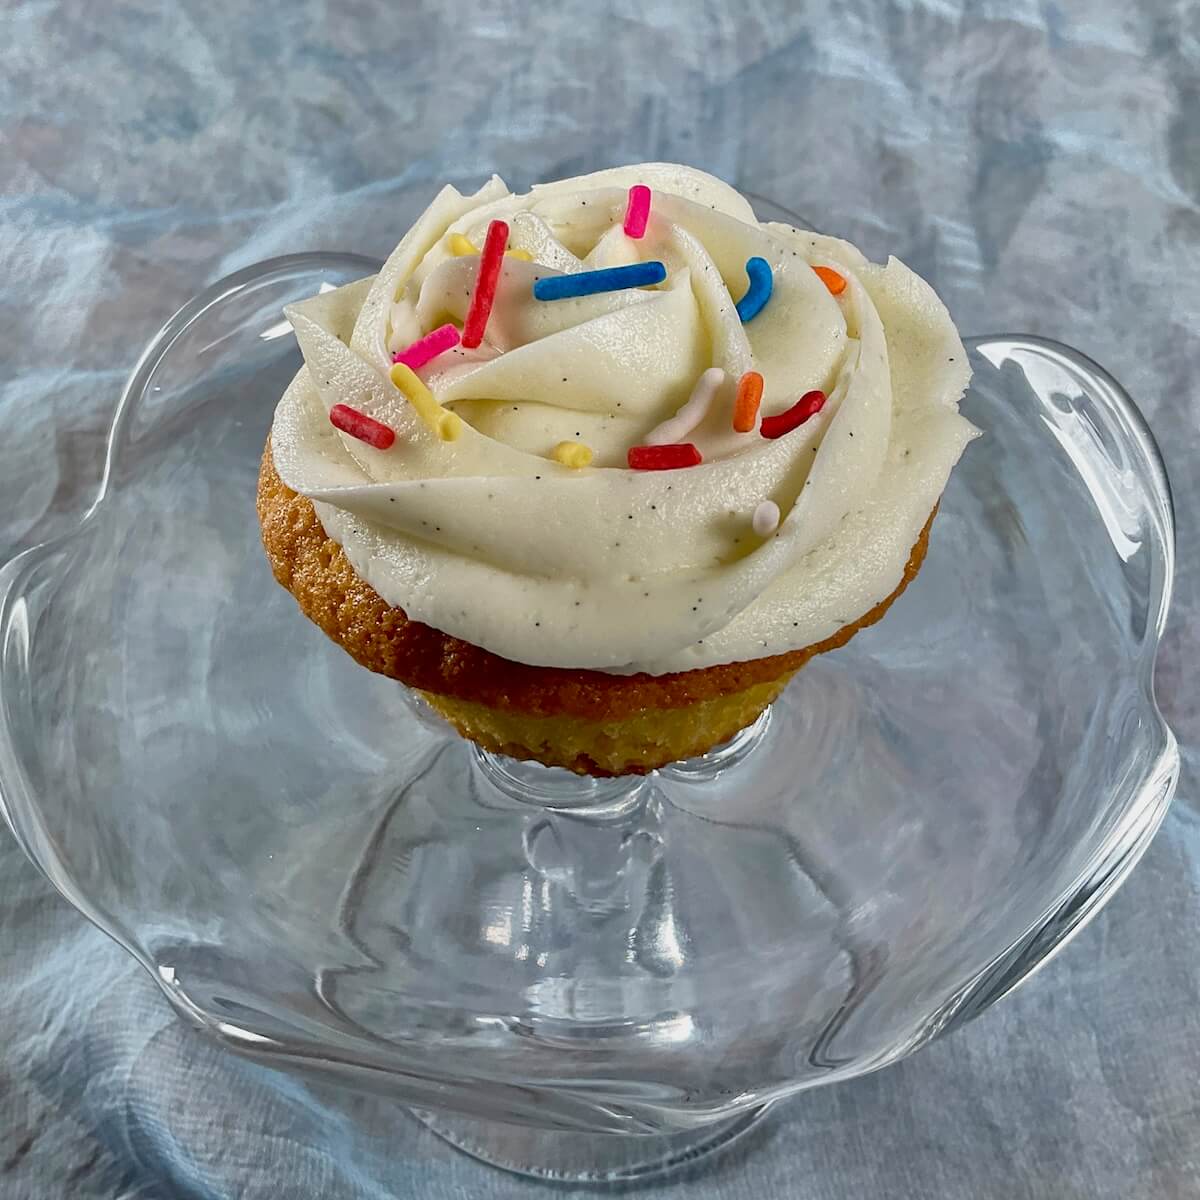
(381, 637)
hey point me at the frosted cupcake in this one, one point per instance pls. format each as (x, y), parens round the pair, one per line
(598, 467)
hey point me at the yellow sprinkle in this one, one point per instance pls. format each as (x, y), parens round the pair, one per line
(460, 245)
(447, 425)
(572, 454)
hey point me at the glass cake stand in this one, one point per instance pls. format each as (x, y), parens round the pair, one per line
(568, 978)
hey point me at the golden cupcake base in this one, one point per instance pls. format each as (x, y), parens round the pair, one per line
(631, 745)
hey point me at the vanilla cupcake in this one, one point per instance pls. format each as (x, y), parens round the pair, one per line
(602, 529)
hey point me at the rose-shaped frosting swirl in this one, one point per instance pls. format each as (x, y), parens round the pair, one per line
(488, 538)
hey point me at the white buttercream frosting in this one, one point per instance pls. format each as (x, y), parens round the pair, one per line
(490, 539)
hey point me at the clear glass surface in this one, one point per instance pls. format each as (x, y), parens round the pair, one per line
(320, 874)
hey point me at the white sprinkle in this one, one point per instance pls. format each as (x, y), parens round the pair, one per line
(766, 518)
(676, 428)
(395, 316)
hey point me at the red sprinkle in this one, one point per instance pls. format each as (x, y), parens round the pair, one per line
(490, 260)
(807, 406)
(664, 458)
(359, 425)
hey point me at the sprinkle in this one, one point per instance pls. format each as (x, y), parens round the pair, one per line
(423, 350)
(485, 284)
(831, 279)
(758, 271)
(572, 454)
(766, 519)
(690, 415)
(607, 279)
(447, 425)
(637, 211)
(749, 397)
(807, 406)
(663, 458)
(359, 425)
(461, 246)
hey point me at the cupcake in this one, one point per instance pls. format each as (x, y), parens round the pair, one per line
(597, 468)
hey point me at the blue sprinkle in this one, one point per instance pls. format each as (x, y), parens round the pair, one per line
(759, 292)
(610, 279)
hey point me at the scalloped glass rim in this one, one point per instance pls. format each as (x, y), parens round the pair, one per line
(1148, 796)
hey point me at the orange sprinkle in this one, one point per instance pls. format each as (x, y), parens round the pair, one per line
(749, 397)
(832, 280)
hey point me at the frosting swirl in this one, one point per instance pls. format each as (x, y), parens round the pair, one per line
(490, 539)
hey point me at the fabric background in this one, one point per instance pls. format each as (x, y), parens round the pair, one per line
(1039, 162)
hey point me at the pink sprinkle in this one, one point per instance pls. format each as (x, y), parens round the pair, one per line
(637, 211)
(423, 350)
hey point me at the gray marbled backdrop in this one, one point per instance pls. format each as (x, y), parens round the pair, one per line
(1039, 162)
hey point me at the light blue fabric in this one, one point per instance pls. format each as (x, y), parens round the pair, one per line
(1039, 162)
